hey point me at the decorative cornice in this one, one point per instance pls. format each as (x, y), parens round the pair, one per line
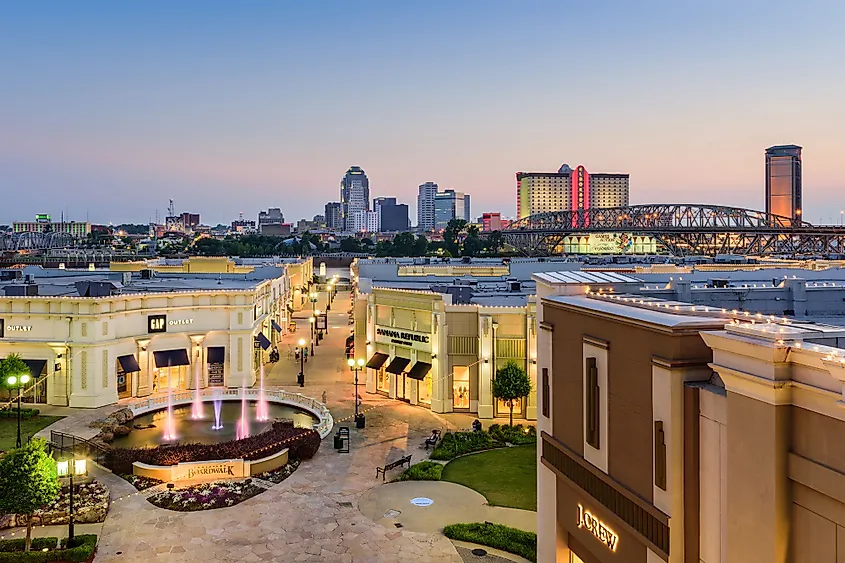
(599, 343)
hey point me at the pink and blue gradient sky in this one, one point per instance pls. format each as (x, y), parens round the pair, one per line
(108, 109)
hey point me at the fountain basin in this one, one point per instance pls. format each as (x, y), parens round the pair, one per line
(200, 431)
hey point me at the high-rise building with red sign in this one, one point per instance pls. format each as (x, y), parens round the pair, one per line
(568, 190)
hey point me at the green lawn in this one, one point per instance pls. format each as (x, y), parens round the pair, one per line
(507, 476)
(29, 426)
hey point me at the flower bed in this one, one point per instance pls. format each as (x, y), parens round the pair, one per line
(207, 496)
(518, 435)
(454, 444)
(422, 471)
(141, 483)
(303, 443)
(90, 505)
(11, 551)
(278, 475)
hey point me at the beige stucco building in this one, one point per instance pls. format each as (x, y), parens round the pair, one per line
(423, 349)
(90, 340)
(683, 433)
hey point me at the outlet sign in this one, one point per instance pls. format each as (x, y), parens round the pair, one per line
(409, 338)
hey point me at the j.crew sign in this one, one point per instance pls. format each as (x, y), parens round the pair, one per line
(598, 528)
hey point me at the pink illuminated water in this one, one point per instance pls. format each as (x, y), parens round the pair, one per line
(242, 430)
(262, 412)
(169, 423)
(196, 408)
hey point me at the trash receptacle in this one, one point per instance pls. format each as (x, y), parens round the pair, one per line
(360, 422)
(338, 442)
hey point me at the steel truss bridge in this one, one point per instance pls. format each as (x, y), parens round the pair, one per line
(35, 241)
(680, 229)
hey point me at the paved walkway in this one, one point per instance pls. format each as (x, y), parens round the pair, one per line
(314, 515)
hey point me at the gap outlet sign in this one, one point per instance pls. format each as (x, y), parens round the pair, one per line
(402, 337)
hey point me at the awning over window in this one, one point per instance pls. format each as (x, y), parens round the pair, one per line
(216, 354)
(419, 370)
(275, 326)
(128, 363)
(262, 340)
(377, 360)
(36, 367)
(397, 365)
(170, 358)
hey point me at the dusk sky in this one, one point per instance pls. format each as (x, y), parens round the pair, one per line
(109, 109)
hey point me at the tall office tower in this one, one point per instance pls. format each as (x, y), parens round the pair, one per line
(450, 205)
(334, 217)
(783, 181)
(393, 217)
(354, 195)
(568, 190)
(425, 206)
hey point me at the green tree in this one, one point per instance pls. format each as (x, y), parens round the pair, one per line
(403, 244)
(451, 236)
(384, 248)
(210, 247)
(511, 384)
(494, 241)
(12, 365)
(473, 244)
(27, 481)
(421, 246)
(350, 244)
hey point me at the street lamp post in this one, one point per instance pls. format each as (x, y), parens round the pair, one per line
(357, 366)
(18, 381)
(319, 330)
(68, 467)
(301, 377)
(312, 321)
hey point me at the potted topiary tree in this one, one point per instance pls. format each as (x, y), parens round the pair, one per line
(511, 384)
(28, 481)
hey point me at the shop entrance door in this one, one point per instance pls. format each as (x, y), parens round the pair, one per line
(124, 383)
(460, 388)
(402, 391)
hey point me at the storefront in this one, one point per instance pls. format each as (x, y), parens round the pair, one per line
(421, 349)
(93, 351)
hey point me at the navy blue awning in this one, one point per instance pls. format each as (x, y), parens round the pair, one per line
(397, 365)
(128, 363)
(216, 354)
(170, 358)
(262, 340)
(275, 326)
(419, 370)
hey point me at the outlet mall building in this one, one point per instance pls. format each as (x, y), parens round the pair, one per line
(93, 337)
(679, 432)
(433, 333)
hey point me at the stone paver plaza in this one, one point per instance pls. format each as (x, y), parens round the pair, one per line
(314, 515)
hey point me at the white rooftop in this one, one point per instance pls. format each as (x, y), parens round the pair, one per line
(583, 277)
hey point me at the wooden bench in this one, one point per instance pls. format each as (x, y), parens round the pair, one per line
(393, 465)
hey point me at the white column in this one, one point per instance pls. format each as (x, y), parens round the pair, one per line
(485, 368)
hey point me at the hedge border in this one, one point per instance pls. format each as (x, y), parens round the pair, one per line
(513, 540)
(79, 554)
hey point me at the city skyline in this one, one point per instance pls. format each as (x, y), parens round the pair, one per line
(118, 108)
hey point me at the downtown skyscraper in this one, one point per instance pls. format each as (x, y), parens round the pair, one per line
(425, 206)
(354, 195)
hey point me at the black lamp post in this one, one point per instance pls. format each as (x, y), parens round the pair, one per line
(319, 331)
(19, 382)
(313, 322)
(301, 377)
(68, 467)
(357, 366)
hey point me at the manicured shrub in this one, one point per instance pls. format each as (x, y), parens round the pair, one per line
(37, 544)
(84, 550)
(422, 471)
(13, 413)
(454, 444)
(206, 496)
(517, 435)
(278, 475)
(512, 540)
(303, 443)
(140, 482)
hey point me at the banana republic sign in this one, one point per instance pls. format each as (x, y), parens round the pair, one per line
(412, 339)
(598, 528)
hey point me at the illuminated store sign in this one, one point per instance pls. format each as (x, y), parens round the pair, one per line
(19, 328)
(389, 335)
(598, 528)
(177, 322)
(157, 323)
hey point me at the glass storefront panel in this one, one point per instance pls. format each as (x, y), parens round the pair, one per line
(574, 558)
(424, 390)
(460, 387)
(175, 377)
(382, 381)
(503, 409)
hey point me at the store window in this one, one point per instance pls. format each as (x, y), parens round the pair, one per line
(424, 390)
(382, 381)
(460, 387)
(503, 408)
(173, 377)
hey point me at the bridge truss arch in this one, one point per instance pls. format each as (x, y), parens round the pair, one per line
(680, 229)
(35, 241)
